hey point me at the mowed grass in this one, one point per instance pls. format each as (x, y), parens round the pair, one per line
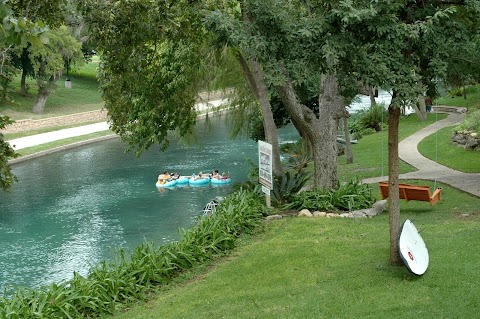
(337, 268)
(472, 100)
(370, 155)
(439, 148)
(82, 97)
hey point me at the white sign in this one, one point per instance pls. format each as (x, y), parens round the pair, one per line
(266, 190)
(265, 164)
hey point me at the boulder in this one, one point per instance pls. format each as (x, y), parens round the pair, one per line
(305, 213)
(380, 206)
(332, 215)
(319, 214)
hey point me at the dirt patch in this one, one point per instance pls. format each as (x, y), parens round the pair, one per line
(65, 120)
(464, 216)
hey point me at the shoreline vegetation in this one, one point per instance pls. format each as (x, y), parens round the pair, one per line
(237, 265)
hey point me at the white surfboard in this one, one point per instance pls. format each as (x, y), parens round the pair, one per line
(412, 248)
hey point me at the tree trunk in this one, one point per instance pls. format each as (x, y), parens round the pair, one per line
(421, 110)
(260, 90)
(23, 84)
(348, 144)
(44, 91)
(39, 105)
(373, 103)
(393, 178)
(321, 132)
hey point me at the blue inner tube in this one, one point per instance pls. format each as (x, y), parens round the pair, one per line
(221, 181)
(167, 184)
(183, 180)
(199, 181)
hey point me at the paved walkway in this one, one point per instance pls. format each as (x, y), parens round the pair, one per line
(428, 169)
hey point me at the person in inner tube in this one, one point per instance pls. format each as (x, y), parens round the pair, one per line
(215, 174)
(163, 178)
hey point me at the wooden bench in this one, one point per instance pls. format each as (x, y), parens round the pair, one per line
(413, 192)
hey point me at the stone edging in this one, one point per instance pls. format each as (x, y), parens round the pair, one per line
(378, 208)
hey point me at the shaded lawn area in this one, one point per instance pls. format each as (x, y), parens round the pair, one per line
(337, 268)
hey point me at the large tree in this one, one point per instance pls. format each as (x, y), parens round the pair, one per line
(14, 31)
(51, 13)
(48, 61)
(154, 66)
(405, 46)
(152, 55)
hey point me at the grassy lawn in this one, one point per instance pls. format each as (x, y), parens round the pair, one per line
(83, 96)
(471, 102)
(370, 155)
(448, 154)
(337, 268)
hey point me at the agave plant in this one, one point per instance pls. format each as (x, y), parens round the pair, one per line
(286, 186)
(347, 197)
(298, 155)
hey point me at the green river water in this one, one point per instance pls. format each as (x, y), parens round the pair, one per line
(72, 209)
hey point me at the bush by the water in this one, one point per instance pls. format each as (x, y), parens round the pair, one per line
(112, 285)
(348, 197)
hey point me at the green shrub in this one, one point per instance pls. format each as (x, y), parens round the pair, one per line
(471, 122)
(374, 117)
(456, 92)
(368, 121)
(288, 185)
(111, 285)
(297, 155)
(350, 196)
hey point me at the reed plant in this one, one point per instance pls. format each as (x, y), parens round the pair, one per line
(131, 276)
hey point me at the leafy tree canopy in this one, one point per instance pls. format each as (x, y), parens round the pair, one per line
(152, 53)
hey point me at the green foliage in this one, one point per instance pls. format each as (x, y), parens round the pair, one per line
(286, 186)
(112, 285)
(351, 196)
(374, 117)
(6, 152)
(297, 154)
(49, 59)
(471, 122)
(15, 31)
(368, 121)
(152, 56)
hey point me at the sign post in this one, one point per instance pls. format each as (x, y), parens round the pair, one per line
(265, 168)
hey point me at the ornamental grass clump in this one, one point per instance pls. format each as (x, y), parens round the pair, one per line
(348, 197)
(129, 277)
(471, 123)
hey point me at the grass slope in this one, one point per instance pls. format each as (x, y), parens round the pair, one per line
(338, 268)
(83, 96)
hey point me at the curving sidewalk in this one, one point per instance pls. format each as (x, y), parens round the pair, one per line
(431, 170)
(42, 138)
